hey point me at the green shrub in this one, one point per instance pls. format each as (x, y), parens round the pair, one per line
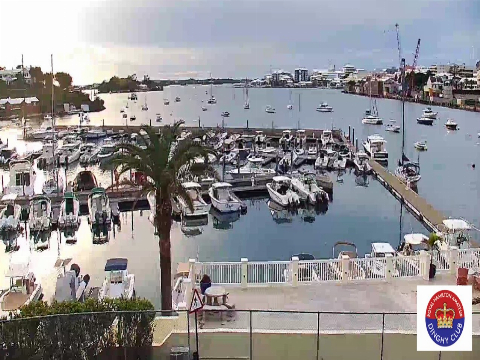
(73, 330)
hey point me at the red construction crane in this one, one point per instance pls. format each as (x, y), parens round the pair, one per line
(414, 65)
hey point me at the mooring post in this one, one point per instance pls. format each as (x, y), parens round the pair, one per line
(349, 138)
(352, 140)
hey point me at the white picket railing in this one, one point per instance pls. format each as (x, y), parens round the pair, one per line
(469, 258)
(272, 272)
(223, 273)
(293, 272)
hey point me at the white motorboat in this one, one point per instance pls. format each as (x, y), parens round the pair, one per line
(70, 285)
(286, 138)
(118, 282)
(290, 107)
(84, 118)
(321, 162)
(225, 114)
(107, 150)
(372, 120)
(287, 161)
(177, 99)
(95, 133)
(299, 151)
(84, 181)
(204, 108)
(53, 186)
(69, 153)
(42, 133)
(158, 118)
(451, 125)
(324, 107)
(340, 163)
(421, 145)
(408, 173)
(212, 100)
(281, 191)
(307, 189)
(429, 113)
(425, 120)
(22, 178)
(392, 127)
(374, 146)
(89, 152)
(69, 212)
(355, 270)
(252, 167)
(99, 207)
(40, 213)
(269, 109)
(133, 118)
(300, 138)
(361, 163)
(312, 150)
(133, 97)
(10, 221)
(327, 137)
(378, 266)
(200, 207)
(48, 155)
(166, 102)
(259, 137)
(223, 199)
(23, 289)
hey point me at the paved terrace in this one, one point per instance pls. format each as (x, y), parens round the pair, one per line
(398, 296)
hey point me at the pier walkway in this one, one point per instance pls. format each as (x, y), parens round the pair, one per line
(417, 205)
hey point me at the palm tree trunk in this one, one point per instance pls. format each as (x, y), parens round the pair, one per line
(164, 224)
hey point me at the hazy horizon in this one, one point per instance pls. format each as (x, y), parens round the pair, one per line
(96, 39)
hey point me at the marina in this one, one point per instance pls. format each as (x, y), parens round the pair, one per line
(329, 153)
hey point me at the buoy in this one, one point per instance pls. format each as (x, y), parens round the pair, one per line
(473, 166)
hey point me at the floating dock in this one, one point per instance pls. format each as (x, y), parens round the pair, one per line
(417, 205)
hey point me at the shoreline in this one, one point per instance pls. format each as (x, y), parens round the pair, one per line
(419, 101)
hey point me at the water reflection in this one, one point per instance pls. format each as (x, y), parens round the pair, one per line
(224, 221)
(362, 180)
(307, 213)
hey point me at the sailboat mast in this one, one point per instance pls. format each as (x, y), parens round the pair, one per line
(402, 65)
(211, 85)
(53, 111)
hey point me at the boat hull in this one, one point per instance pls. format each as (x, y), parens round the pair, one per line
(426, 121)
(224, 206)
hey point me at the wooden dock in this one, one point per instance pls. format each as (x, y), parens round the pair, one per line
(417, 205)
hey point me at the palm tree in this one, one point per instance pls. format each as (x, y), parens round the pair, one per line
(165, 164)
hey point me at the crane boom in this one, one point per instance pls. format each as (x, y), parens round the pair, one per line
(414, 65)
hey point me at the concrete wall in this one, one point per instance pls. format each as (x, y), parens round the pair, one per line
(303, 346)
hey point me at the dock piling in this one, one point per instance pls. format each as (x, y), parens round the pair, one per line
(352, 140)
(349, 129)
(356, 145)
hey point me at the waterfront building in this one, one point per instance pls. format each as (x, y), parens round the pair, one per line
(297, 75)
(304, 74)
(11, 75)
(19, 106)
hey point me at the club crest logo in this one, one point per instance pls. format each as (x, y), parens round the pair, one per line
(445, 318)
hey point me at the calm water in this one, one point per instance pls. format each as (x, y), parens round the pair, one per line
(357, 214)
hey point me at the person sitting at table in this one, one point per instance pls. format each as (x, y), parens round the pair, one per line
(205, 283)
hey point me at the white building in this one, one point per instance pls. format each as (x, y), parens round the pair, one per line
(349, 69)
(11, 75)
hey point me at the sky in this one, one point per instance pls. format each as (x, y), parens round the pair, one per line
(96, 39)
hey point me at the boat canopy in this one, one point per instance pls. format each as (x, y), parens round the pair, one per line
(116, 264)
(17, 270)
(220, 185)
(191, 185)
(415, 239)
(304, 257)
(9, 197)
(98, 190)
(40, 197)
(383, 248)
(456, 224)
(281, 178)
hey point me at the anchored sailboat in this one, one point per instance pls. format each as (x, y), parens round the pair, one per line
(407, 172)
(246, 106)
(371, 115)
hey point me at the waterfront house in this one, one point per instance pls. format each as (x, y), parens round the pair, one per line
(11, 75)
(20, 106)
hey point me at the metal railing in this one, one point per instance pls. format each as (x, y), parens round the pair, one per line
(347, 269)
(233, 334)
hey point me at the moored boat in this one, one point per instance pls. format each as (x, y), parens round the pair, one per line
(281, 191)
(451, 125)
(118, 283)
(223, 199)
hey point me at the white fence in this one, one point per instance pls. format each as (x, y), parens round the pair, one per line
(247, 273)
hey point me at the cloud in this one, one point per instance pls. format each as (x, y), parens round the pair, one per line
(95, 39)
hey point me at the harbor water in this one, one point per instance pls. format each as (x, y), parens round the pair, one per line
(362, 211)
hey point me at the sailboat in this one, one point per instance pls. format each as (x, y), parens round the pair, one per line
(246, 106)
(290, 106)
(212, 99)
(407, 172)
(144, 106)
(371, 115)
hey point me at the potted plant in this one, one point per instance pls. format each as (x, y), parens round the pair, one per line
(432, 246)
